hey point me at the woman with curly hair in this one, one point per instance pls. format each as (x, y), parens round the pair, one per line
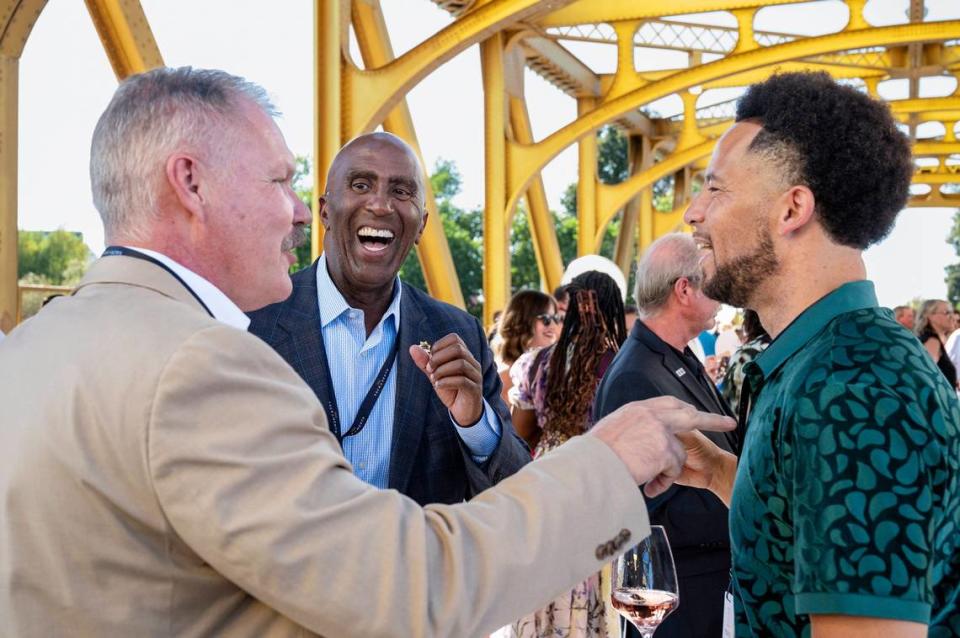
(934, 325)
(555, 403)
(529, 322)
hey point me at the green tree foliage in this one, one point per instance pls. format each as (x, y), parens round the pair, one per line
(952, 277)
(56, 258)
(303, 186)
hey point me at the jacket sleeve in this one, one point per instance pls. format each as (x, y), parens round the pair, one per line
(250, 478)
(512, 452)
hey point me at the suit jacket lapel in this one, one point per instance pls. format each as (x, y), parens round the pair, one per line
(299, 339)
(690, 381)
(707, 399)
(413, 393)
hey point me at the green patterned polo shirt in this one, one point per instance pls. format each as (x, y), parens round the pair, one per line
(847, 496)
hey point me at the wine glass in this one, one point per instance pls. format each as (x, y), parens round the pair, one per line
(645, 583)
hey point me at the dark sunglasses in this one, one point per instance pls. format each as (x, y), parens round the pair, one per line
(548, 319)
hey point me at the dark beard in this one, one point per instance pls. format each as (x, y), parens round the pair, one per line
(735, 282)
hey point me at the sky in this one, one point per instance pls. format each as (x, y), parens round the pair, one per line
(66, 81)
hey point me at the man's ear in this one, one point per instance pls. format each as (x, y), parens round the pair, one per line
(798, 206)
(323, 214)
(423, 225)
(682, 289)
(183, 175)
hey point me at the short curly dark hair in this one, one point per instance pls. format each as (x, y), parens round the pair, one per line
(839, 142)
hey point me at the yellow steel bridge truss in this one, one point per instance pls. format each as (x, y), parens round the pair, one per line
(536, 34)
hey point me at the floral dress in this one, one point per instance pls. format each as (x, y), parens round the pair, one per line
(581, 612)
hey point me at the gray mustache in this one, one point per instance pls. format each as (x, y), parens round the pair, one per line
(295, 239)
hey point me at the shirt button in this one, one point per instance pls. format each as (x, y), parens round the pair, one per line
(362, 466)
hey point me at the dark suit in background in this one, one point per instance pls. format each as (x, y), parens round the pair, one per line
(428, 461)
(695, 520)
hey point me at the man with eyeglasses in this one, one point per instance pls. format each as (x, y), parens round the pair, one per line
(352, 330)
(656, 361)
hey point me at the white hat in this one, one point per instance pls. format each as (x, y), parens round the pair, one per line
(587, 263)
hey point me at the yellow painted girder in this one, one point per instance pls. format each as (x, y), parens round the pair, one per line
(17, 18)
(543, 232)
(936, 178)
(9, 301)
(761, 73)
(126, 36)
(436, 262)
(496, 273)
(941, 109)
(372, 93)
(525, 161)
(923, 149)
(671, 222)
(934, 199)
(329, 37)
(593, 11)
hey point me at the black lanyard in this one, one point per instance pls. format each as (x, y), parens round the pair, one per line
(114, 251)
(366, 407)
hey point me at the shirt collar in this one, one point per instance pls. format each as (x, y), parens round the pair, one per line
(851, 296)
(220, 306)
(332, 303)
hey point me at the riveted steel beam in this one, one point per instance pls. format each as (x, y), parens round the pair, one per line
(392, 81)
(126, 36)
(586, 185)
(561, 68)
(433, 251)
(496, 267)
(330, 37)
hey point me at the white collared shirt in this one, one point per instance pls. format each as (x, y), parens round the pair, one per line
(355, 359)
(219, 304)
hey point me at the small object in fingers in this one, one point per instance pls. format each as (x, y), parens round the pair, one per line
(426, 346)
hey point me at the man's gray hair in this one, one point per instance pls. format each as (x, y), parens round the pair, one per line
(151, 116)
(666, 260)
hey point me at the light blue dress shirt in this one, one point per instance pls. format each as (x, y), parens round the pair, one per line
(355, 360)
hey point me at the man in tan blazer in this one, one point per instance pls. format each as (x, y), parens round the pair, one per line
(164, 473)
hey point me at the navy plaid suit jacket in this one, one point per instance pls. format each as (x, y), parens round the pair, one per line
(428, 461)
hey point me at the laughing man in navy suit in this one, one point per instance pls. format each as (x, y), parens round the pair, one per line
(429, 424)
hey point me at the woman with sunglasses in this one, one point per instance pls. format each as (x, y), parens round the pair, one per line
(530, 322)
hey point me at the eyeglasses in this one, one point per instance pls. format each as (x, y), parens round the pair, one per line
(548, 319)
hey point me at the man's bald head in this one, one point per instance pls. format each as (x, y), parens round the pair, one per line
(373, 213)
(372, 143)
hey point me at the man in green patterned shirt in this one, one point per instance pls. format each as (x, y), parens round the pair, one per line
(845, 507)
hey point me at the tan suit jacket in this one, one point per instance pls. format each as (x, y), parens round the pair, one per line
(163, 474)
